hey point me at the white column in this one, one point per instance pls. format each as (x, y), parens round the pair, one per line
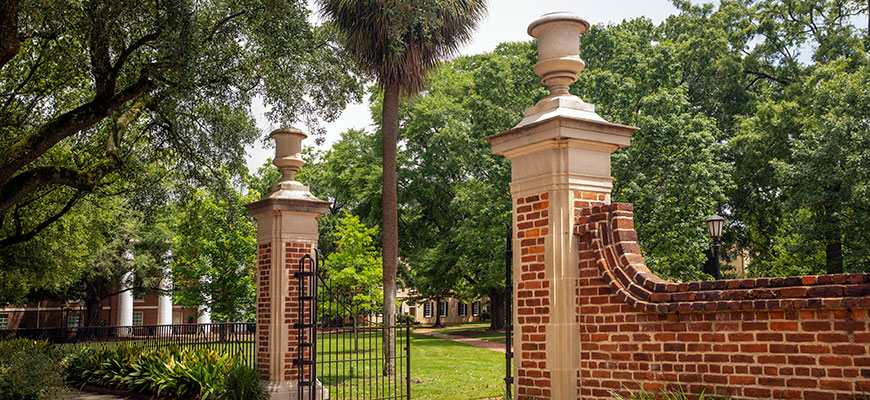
(204, 312)
(204, 316)
(164, 301)
(125, 305)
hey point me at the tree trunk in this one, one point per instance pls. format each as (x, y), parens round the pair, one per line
(833, 254)
(438, 314)
(355, 335)
(390, 231)
(92, 314)
(497, 309)
(833, 242)
(9, 43)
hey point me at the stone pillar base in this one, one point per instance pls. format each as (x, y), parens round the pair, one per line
(289, 390)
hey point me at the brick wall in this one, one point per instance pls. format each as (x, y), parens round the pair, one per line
(532, 296)
(789, 338)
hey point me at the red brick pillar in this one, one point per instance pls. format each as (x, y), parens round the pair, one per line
(560, 160)
(286, 232)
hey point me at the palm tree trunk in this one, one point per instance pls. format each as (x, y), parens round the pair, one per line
(390, 129)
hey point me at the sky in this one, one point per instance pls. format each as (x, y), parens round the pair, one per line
(506, 21)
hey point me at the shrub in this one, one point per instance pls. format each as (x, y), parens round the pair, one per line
(405, 319)
(173, 372)
(29, 369)
(242, 383)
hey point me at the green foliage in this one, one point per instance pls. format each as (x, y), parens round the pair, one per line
(242, 383)
(214, 253)
(105, 98)
(354, 269)
(29, 370)
(172, 372)
(398, 42)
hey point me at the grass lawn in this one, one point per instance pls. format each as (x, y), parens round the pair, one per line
(442, 369)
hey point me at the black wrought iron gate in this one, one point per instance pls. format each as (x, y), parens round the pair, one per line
(341, 342)
(508, 313)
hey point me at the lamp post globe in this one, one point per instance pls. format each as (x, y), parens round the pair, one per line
(714, 225)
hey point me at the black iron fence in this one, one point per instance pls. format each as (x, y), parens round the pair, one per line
(234, 338)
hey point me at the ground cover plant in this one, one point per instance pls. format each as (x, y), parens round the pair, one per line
(169, 372)
(29, 370)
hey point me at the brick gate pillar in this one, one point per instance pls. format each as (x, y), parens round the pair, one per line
(286, 231)
(560, 159)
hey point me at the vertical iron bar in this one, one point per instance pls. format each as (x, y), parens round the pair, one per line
(408, 361)
(508, 294)
(313, 335)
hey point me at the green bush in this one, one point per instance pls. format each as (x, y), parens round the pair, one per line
(404, 319)
(172, 372)
(242, 383)
(29, 369)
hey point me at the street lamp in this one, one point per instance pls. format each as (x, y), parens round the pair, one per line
(714, 224)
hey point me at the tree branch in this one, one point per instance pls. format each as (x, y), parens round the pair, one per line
(760, 74)
(27, 182)
(22, 237)
(30, 147)
(222, 23)
(122, 59)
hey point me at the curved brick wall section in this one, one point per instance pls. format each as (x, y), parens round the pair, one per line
(790, 338)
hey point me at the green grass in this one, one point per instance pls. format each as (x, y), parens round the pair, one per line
(442, 369)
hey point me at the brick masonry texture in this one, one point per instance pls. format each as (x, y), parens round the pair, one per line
(785, 338)
(532, 296)
(264, 316)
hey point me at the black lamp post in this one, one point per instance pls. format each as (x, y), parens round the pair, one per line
(714, 224)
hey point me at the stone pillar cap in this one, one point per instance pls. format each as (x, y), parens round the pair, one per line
(558, 16)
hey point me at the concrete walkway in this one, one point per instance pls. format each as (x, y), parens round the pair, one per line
(483, 344)
(79, 395)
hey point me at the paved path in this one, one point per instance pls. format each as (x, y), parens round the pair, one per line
(483, 344)
(79, 395)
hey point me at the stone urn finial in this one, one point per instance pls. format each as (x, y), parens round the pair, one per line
(558, 64)
(559, 60)
(288, 152)
(288, 159)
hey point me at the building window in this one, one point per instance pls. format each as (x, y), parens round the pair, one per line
(463, 309)
(475, 308)
(137, 318)
(427, 310)
(442, 308)
(73, 320)
(4, 321)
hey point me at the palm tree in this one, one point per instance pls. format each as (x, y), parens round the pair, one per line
(398, 42)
